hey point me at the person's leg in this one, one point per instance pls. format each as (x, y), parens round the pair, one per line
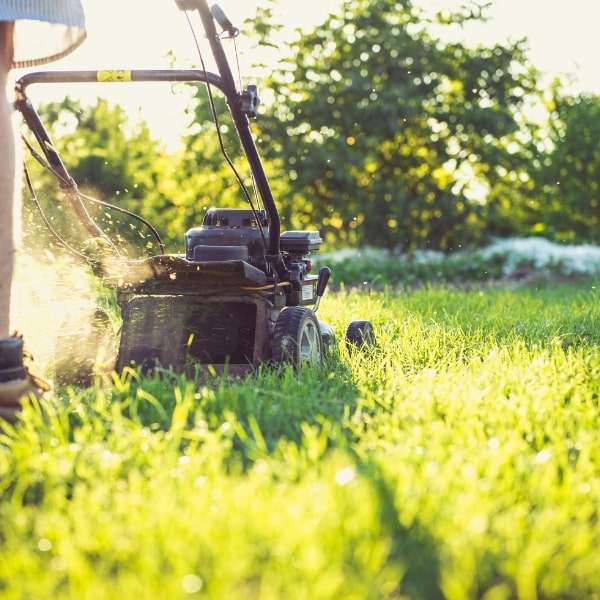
(7, 178)
(15, 382)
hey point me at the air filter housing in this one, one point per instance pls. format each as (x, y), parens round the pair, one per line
(229, 234)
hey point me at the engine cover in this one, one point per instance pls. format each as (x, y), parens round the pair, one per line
(229, 234)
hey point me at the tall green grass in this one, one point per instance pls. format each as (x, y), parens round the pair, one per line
(458, 458)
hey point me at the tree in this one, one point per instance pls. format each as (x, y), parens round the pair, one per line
(567, 176)
(379, 130)
(372, 130)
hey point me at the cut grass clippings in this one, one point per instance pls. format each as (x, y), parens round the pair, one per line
(456, 459)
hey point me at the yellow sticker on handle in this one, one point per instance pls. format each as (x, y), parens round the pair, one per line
(104, 76)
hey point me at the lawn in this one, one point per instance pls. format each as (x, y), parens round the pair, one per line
(456, 459)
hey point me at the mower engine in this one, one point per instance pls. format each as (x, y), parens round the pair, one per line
(217, 305)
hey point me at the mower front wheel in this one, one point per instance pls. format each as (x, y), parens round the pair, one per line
(360, 334)
(297, 337)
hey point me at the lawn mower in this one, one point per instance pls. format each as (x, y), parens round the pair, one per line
(243, 293)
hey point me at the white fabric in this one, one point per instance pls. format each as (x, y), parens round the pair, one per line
(45, 30)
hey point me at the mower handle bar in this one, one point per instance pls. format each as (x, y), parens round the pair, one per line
(223, 81)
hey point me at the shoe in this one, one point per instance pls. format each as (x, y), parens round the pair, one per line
(17, 384)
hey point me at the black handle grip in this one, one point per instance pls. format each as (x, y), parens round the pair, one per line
(324, 274)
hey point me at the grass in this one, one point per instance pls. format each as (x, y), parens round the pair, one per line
(456, 459)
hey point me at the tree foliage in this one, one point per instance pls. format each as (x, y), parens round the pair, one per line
(567, 174)
(383, 130)
(212, 163)
(372, 129)
(113, 159)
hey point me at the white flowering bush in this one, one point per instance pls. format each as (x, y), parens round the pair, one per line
(540, 253)
(504, 258)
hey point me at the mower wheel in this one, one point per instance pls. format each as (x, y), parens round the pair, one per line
(297, 338)
(360, 333)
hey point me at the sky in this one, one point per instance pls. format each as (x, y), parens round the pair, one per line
(125, 34)
(563, 35)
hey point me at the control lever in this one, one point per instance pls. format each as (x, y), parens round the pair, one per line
(322, 280)
(221, 18)
(217, 14)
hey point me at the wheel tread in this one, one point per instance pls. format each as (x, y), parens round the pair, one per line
(285, 340)
(360, 333)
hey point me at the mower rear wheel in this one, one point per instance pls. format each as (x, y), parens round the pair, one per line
(360, 333)
(297, 337)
